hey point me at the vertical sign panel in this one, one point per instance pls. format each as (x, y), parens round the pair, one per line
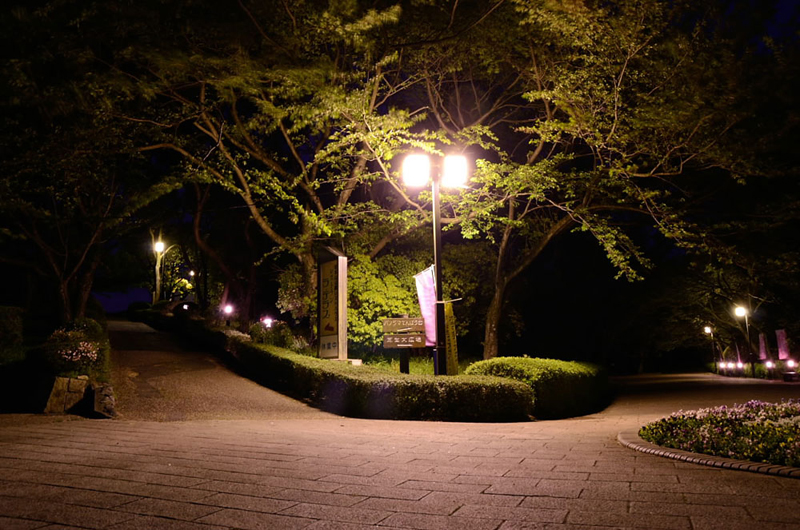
(332, 306)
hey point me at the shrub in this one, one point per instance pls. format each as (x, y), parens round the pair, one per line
(79, 348)
(561, 389)
(279, 334)
(138, 306)
(756, 431)
(362, 391)
(11, 339)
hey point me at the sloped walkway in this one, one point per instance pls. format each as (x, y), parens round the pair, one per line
(328, 472)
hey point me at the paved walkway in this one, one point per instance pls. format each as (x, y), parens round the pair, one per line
(327, 472)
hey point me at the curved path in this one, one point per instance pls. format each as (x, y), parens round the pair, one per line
(156, 378)
(328, 472)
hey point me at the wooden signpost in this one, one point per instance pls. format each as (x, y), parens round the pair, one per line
(404, 333)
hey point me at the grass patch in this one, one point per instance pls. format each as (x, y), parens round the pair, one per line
(757, 431)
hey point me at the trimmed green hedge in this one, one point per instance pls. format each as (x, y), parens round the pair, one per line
(12, 349)
(366, 392)
(561, 389)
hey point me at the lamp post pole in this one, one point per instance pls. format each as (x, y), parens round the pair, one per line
(740, 311)
(440, 356)
(453, 173)
(159, 250)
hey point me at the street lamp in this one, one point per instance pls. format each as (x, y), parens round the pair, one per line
(710, 332)
(416, 174)
(228, 310)
(158, 248)
(740, 312)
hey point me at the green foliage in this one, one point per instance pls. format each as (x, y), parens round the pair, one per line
(560, 388)
(278, 334)
(81, 347)
(755, 431)
(12, 349)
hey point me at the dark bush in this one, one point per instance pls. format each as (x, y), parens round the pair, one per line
(278, 334)
(561, 389)
(12, 349)
(80, 347)
(138, 306)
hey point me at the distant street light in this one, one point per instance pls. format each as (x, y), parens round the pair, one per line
(710, 332)
(740, 312)
(158, 248)
(416, 174)
(228, 310)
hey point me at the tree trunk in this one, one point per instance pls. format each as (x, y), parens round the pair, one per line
(491, 340)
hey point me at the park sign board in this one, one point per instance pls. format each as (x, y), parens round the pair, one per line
(403, 325)
(404, 340)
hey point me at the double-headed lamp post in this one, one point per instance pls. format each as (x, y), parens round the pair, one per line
(740, 312)
(417, 173)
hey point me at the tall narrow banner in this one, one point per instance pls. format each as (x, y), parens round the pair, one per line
(426, 294)
(783, 346)
(452, 345)
(762, 347)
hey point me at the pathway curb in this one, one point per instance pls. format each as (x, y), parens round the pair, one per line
(635, 442)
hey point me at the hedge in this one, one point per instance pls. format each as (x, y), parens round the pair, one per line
(561, 389)
(12, 349)
(366, 392)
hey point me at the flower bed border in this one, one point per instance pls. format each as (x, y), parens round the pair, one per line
(635, 442)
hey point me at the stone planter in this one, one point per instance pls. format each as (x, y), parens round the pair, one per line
(77, 395)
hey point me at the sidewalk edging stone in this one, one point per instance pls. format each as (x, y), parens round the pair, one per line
(635, 442)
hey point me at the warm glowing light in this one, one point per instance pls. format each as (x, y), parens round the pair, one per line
(731, 365)
(790, 363)
(707, 330)
(185, 306)
(770, 365)
(228, 309)
(159, 246)
(739, 311)
(267, 322)
(455, 171)
(416, 170)
(191, 273)
(740, 365)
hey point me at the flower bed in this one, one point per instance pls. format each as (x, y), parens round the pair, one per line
(757, 431)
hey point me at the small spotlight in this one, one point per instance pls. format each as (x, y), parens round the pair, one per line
(770, 365)
(731, 365)
(228, 309)
(185, 307)
(739, 365)
(267, 322)
(790, 363)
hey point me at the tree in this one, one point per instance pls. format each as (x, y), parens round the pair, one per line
(70, 179)
(590, 116)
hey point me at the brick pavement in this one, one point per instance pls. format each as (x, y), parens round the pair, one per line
(350, 474)
(326, 472)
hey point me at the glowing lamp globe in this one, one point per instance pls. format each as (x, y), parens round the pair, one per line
(159, 246)
(455, 171)
(740, 311)
(416, 171)
(228, 309)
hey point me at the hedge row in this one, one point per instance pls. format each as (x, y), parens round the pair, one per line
(364, 391)
(12, 349)
(561, 389)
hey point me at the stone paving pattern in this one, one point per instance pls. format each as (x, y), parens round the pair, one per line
(328, 472)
